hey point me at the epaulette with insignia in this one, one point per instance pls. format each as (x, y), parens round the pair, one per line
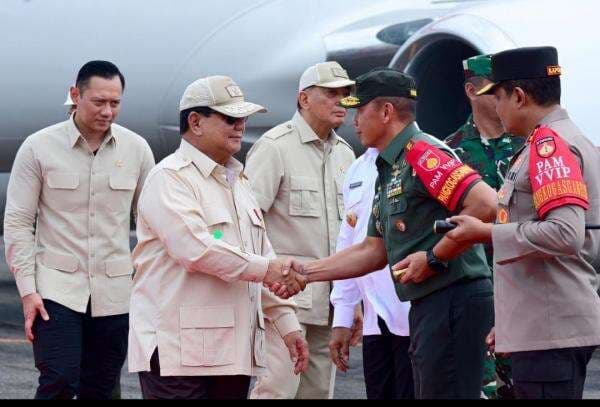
(446, 178)
(279, 131)
(554, 173)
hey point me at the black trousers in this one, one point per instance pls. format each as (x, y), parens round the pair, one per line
(387, 367)
(551, 374)
(447, 331)
(78, 355)
(157, 387)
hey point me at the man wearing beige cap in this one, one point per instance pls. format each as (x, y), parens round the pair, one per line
(196, 327)
(297, 172)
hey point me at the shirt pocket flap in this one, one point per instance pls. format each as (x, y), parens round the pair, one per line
(256, 221)
(215, 213)
(63, 180)
(122, 182)
(119, 268)
(206, 317)
(62, 262)
(354, 197)
(298, 183)
(398, 207)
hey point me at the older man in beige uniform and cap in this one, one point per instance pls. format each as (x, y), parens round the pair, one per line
(297, 172)
(197, 328)
(67, 219)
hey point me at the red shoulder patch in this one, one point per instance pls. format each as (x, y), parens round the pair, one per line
(445, 177)
(554, 173)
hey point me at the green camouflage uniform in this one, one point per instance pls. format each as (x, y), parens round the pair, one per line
(490, 158)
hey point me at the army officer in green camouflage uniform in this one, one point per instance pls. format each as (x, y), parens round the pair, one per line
(420, 181)
(482, 144)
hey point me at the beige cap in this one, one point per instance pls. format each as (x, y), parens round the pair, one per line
(69, 101)
(325, 75)
(221, 94)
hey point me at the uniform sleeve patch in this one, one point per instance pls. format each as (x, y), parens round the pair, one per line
(554, 173)
(446, 178)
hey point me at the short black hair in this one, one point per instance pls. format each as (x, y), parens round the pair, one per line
(184, 115)
(102, 69)
(406, 108)
(476, 81)
(544, 91)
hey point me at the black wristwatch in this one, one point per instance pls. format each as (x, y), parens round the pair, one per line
(434, 263)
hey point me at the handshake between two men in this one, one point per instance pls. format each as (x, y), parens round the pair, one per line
(285, 277)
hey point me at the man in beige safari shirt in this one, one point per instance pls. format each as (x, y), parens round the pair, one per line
(197, 328)
(72, 265)
(297, 173)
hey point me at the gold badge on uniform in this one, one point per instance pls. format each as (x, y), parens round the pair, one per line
(501, 194)
(352, 219)
(378, 227)
(400, 225)
(503, 216)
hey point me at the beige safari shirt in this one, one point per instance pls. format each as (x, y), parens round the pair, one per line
(79, 247)
(298, 181)
(202, 254)
(544, 283)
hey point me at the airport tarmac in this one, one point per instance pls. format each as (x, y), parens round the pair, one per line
(18, 375)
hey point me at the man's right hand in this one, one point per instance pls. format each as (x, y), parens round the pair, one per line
(282, 279)
(32, 305)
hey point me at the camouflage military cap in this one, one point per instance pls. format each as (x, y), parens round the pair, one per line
(480, 65)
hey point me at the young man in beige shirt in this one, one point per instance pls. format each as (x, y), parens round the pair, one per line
(297, 173)
(72, 264)
(197, 328)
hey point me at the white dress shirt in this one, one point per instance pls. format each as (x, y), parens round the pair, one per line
(376, 290)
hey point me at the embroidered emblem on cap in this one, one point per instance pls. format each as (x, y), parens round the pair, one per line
(554, 70)
(339, 73)
(350, 101)
(119, 163)
(235, 91)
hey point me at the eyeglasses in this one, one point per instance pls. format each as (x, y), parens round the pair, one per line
(233, 120)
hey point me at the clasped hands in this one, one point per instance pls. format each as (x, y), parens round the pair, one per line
(285, 278)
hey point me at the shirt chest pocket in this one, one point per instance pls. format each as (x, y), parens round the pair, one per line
(398, 225)
(304, 196)
(120, 192)
(218, 220)
(64, 192)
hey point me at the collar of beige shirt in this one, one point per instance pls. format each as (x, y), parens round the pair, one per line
(75, 134)
(205, 164)
(307, 134)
